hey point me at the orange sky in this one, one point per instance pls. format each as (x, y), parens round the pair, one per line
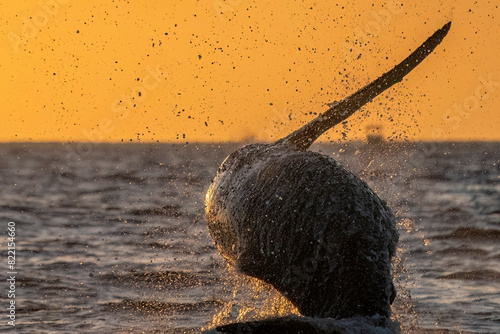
(186, 71)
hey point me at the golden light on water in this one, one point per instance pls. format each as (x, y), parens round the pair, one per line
(217, 71)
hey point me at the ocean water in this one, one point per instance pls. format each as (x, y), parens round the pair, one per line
(110, 238)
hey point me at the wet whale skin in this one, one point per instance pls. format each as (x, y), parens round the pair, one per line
(301, 222)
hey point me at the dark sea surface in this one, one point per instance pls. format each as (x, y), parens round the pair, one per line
(110, 238)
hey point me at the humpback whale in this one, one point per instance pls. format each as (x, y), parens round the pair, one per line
(301, 222)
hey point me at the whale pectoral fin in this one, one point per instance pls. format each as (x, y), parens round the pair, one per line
(339, 111)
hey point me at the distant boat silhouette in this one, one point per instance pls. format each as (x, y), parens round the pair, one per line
(374, 134)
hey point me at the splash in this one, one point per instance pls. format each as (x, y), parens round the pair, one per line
(403, 309)
(251, 299)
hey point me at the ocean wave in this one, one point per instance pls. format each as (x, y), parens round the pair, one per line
(495, 211)
(170, 210)
(98, 189)
(19, 208)
(65, 266)
(471, 234)
(461, 251)
(126, 177)
(436, 176)
(495, 257)
(180, 248)
(161, 279)
(160, 231)
(158, 307)
(453, 215)
(475, 275)
(29, 282)
(30, 307)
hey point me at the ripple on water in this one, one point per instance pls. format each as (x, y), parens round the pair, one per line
(471, 234)
(161, 280)
(475, 275)
(154, 307)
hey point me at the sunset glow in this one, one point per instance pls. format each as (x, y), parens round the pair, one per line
(198, 71)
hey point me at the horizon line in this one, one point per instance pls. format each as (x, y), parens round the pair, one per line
(386, 142)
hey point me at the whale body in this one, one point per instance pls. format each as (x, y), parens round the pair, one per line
(304, 224)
